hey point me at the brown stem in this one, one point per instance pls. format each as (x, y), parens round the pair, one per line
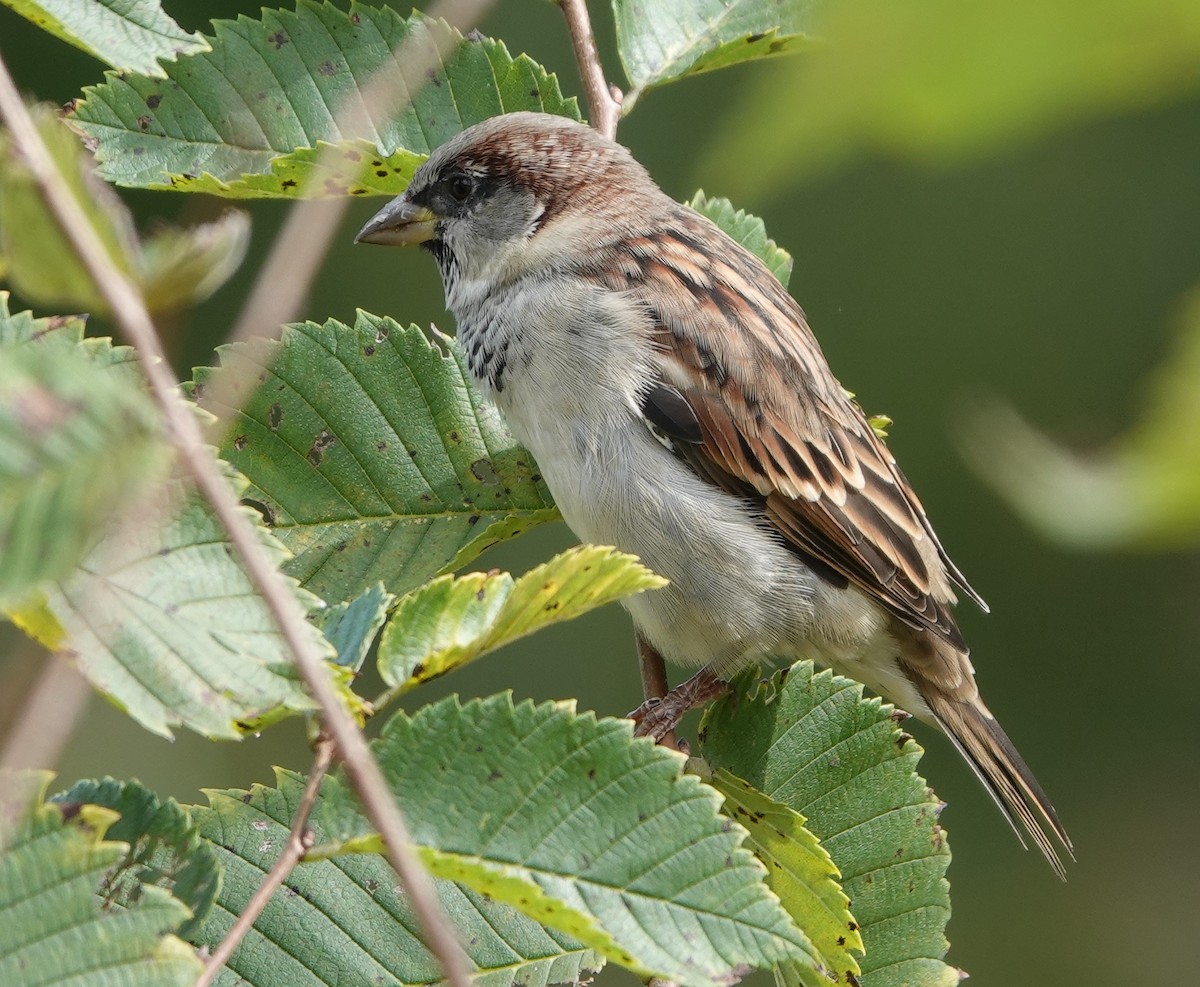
(604, 101)
(130, 314)
(299, 842)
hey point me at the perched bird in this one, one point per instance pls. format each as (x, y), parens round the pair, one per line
(680, 409)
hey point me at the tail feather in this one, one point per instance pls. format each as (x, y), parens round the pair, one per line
(995, 761)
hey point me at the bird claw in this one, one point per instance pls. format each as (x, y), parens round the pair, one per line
(658, 718)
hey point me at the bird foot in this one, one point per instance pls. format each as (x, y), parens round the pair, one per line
(657, 718)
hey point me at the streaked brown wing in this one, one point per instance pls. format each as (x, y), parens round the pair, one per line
(770, 420)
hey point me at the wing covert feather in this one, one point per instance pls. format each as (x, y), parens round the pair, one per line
(775, 424)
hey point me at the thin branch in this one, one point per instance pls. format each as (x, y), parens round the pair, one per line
(603, 100)
(50, 712)
(131, 316)
(299, 842)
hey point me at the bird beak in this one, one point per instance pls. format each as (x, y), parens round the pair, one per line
(399, 224)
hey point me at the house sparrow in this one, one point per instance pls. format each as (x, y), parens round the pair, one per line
(681, 410)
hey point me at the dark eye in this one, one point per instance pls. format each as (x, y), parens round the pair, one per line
(460, 186)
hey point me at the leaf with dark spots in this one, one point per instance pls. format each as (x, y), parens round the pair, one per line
(451, 622)
(311, 58)
(660, 41)
(861, 795)
(324, 440)
(655, 896)
(484, 472)
(352, 448)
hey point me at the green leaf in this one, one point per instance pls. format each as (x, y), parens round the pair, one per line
(76, 442)
(813, 743)
(175, 267)
(42, 263)
(748, 230)
(53, 928)
(660, 41)
(450, 622)
(164, 621)
(1142, 491)
(164, 849)
(801, 873)
(22, 327)
(245, 120)
(370, 453)
(181, 266)
(605, 824)
(127, 34)
(346, 921)
(351, 627)
(940, 81)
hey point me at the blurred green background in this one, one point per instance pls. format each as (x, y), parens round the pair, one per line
(1047, 275)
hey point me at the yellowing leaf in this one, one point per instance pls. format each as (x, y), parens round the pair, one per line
(453, 621)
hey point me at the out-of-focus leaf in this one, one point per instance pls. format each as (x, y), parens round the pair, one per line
(748, 230)
(175, 267)
(940, 81)
(348, 921)
(53, 929)
(801, 873)
(247, 118)
(603, 823)
(76, 442)
(1142, 491)
(663, 40)
(163, 848)
(812, 742)
(127, 34)
(162, 619)
(181, 266)
(371, 455)
(450, 622)
(42, 265)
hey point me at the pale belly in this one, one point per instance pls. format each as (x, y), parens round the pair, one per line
(736, 593)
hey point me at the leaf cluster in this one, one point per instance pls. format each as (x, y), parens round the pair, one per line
(802, 841)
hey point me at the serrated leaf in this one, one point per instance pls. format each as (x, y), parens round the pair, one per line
(346, 921)
(801, 873)
(173, 266)
(602, 822)
(53, 929)
(246, 119)
(813, 743)
(510, 887)
(163, 848)
(162, 619)
(660, 41)
(22, 327)
(127, 34)
(76, 440)
(748, 230)
(450, 622)
(371, 454)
